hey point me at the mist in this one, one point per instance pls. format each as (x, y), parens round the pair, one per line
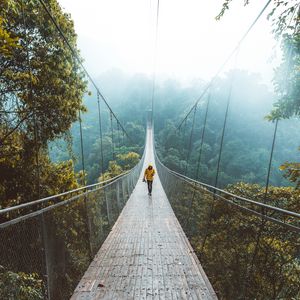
(191, 44)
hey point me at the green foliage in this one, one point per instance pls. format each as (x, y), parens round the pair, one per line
(41, 92)
(124, 163)
(247, 141)
(292, 172)
(7, 42)
(128, 161)
(40, 80)
(244, 256)
(20, 286)
(287, 80)
(113, 170)
(284, 14)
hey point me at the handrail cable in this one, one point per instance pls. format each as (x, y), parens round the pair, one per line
(50, 207)
(35, 213)
(187, 179)
(23, 205)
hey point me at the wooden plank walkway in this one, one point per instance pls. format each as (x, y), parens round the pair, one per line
(146, 255)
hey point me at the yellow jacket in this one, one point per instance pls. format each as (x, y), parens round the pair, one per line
(149, 174)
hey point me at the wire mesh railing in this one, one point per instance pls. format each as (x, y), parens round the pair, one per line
(248, 249)
(52, 241)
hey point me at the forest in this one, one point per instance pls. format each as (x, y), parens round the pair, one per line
(50, 143)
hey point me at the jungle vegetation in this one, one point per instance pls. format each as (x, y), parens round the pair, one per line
(42, 88)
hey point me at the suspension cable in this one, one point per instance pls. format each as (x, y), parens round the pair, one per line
(75, 54)
(154, 62)
(226, 61)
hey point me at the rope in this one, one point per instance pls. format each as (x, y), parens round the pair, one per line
(202, 137)
(75, 54)
(118, 132)
(112, 137)
(81, 148)
(270, 161)
(100, 133)
(154, 62)
(227, 60)
(287, 86)
(225, 123)
(30, 95)
(190, 141)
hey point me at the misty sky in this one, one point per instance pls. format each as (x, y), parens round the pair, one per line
(191, 43)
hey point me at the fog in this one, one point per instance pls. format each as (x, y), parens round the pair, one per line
(191, 44)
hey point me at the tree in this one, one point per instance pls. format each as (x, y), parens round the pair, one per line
(286, 18)
(41, 90)
(7, 42)
(41, 83)
(284, 14)
(287, 80)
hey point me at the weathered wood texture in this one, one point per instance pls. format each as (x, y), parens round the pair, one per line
(146, 255)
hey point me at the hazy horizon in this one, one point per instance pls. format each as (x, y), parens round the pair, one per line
(191, 43)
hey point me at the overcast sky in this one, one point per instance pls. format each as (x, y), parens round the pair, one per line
(191, 43)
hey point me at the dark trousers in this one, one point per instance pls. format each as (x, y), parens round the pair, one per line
(149, 182)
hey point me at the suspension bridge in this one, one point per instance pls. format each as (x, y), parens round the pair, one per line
(126, 244)
(110, 240)
(146, 255)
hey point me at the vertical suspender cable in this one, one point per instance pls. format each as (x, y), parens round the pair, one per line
(235, 50)
(30, 94)
(225, 123)
(270, 161)
(287, 84)
(86, 219)
(81, 148)
(76, 56)
(118, 133)
(263, 221)
(154, 63)
(222, 139)
(190, 141)
(202, 137)
(219, 158)
(112, 137)
(100, 133)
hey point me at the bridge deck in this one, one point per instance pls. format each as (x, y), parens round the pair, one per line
(146, 255)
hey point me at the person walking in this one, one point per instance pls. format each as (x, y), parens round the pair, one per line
(148, 176)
